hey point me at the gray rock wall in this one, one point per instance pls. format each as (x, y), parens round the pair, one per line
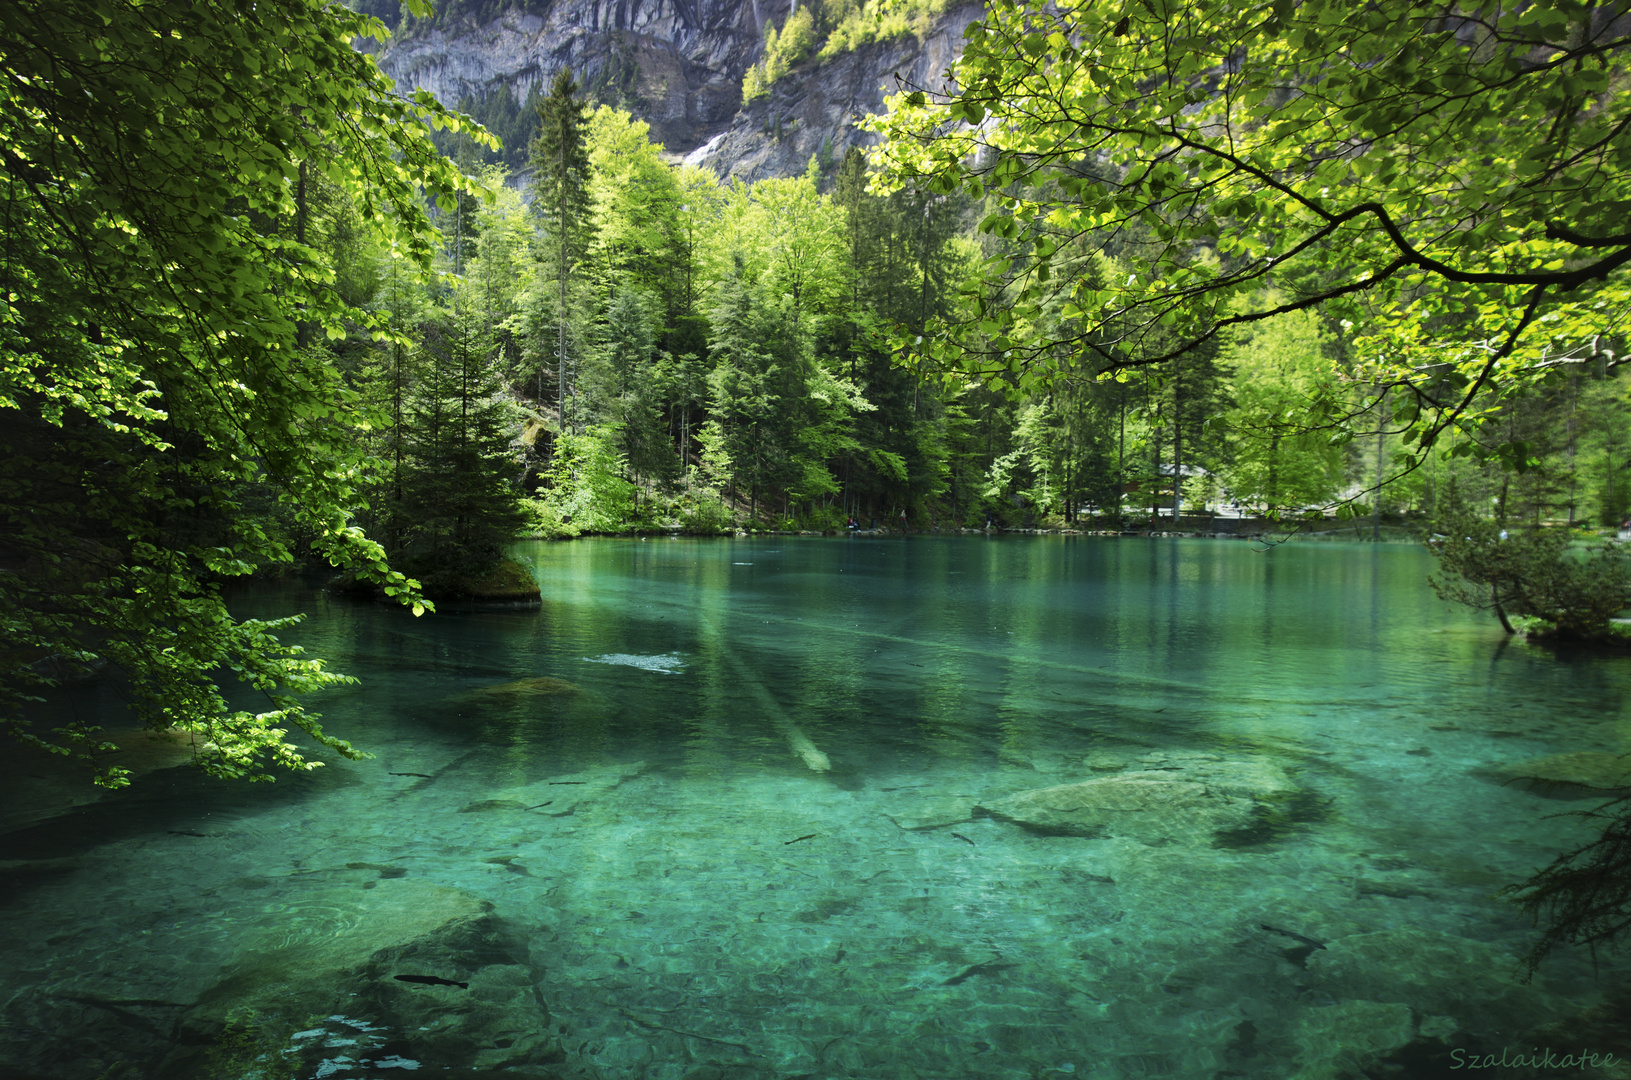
(690, 57)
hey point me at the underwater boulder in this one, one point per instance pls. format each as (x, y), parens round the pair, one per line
(1597, 772)
(540, 686)
(406, 974)
(537, 697)
(1347, 1039)
(1177, 798)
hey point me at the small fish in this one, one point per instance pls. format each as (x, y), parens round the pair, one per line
(1293, 936)
(561, 783)
(431, 980)
(184, 832)
(796, 839)
(965, 839)
(540, 804)
(421, 775)
(976, 969)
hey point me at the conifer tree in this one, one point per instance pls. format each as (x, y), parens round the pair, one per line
(459, 494)
(560, 162)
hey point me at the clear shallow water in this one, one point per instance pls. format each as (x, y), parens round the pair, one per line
(710, 813)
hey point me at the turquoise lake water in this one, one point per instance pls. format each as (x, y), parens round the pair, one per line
(746, 809)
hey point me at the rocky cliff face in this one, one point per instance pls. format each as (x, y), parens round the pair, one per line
(678, 64)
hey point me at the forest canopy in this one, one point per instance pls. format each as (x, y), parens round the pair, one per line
(1450, 183)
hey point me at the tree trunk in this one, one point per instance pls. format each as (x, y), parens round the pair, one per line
(1177, 446)
(1376, 506)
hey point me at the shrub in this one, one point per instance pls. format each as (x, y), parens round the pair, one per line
(1529, 573)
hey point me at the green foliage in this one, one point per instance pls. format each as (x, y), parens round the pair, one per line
(588, 485)
(160, 378)
(858, 23)
(1528, 573)
(1476, 243)
(1281, 380)
(460, 500)
(510, 119)
(782, 52)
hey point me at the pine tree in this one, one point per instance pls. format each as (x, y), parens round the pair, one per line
(560, 163)
(460, 496)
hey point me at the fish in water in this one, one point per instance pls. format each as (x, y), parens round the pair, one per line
(1293, 936)
(431, 980)
(971, 971)
(796, 839)
(965, 839)
(421, 775)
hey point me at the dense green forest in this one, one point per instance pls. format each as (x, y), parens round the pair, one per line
(742, 354)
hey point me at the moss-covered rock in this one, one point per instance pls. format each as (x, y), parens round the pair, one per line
(506, 582)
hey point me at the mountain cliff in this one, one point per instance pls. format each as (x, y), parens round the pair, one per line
(677, 64)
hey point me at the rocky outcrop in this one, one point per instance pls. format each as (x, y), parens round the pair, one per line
(679, 65)
(508, 582)
(812, 112)
(685, 60)
(505, 582)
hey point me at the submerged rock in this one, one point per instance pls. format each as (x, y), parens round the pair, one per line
(417, 975)
(1434, 973)
(1599, 772)
(1193, 799)
(540, 686)
(536, 697)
